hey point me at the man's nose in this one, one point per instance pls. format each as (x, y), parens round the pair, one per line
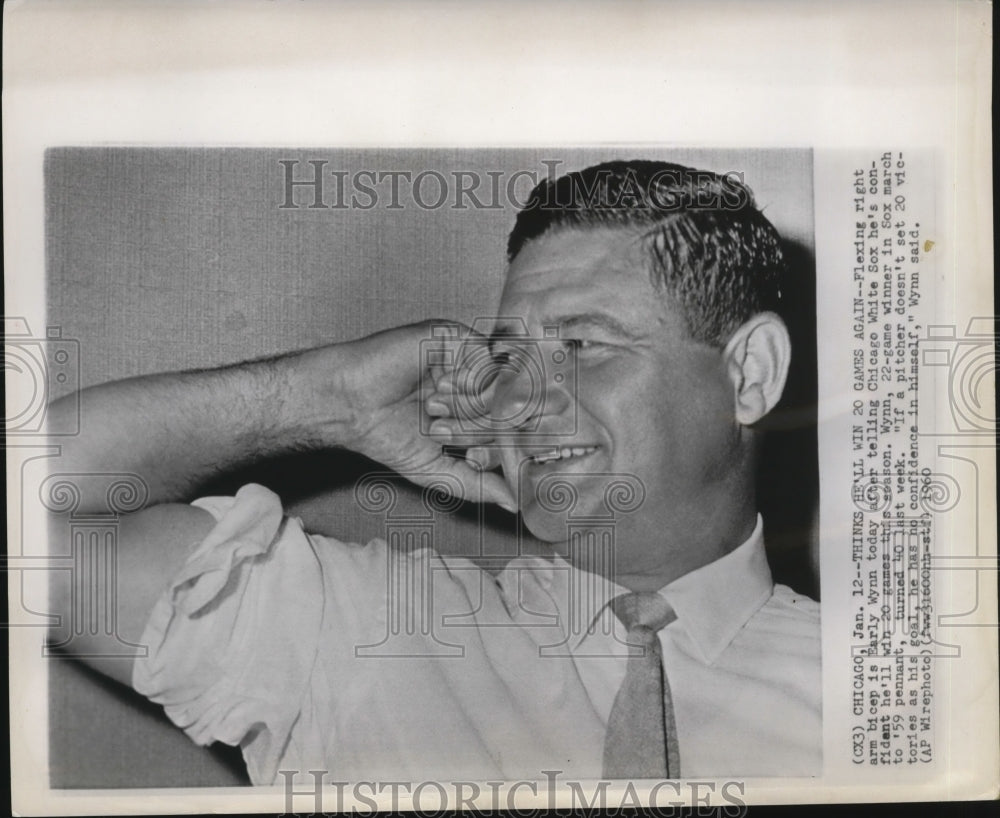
(533, 394)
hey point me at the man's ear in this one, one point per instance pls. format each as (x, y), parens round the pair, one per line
(757, 358)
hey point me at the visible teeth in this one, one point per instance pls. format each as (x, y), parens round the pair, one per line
(562, 453)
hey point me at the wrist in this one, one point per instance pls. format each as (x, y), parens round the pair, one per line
(312, 405)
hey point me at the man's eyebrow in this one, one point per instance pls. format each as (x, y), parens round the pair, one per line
(600, 320)
(565, 323)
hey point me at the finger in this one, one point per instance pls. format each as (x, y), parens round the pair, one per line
(433, 401)
(496, 490)
(456, 347)
(477, 486)
(484, 458)
(457, 432)
(472, 401)
(461, 371)
(474, 394)
(449, 403)
(443, 431)
(461, 384)
(445, 383)
(437, 407)
(475, 368)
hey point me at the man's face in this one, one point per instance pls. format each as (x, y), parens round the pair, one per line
(647, 401)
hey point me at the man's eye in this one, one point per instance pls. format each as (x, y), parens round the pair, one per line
(582, 344)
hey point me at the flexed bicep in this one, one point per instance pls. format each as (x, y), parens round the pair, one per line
(102, 602)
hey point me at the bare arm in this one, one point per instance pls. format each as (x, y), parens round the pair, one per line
(174, 431)
(152, 545)
(177, 430)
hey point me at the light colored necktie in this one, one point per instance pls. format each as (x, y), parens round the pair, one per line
(641, 739)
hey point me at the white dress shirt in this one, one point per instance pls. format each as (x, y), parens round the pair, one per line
(371, 664)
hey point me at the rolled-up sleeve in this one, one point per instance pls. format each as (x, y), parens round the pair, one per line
(233, 640)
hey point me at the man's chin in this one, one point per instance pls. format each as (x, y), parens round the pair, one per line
(547, 526)
(554, 523)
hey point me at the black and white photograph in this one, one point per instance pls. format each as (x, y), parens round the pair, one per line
(425, 448)
(496, 407)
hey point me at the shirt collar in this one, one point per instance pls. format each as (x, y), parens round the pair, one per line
(715, 601)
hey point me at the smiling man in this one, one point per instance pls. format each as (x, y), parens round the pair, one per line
(650, 643)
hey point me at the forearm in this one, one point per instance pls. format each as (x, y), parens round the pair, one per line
(177, 430)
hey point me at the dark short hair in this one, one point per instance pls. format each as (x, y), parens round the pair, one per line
(710, 247)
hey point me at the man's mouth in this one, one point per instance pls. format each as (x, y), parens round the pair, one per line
(561, 453)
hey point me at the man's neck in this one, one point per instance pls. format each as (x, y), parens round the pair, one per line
(641, 559)
(681, 561)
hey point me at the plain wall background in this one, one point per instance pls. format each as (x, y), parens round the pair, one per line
(175, 258)
(172, 258)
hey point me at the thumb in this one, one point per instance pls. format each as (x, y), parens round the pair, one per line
(479, 486)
